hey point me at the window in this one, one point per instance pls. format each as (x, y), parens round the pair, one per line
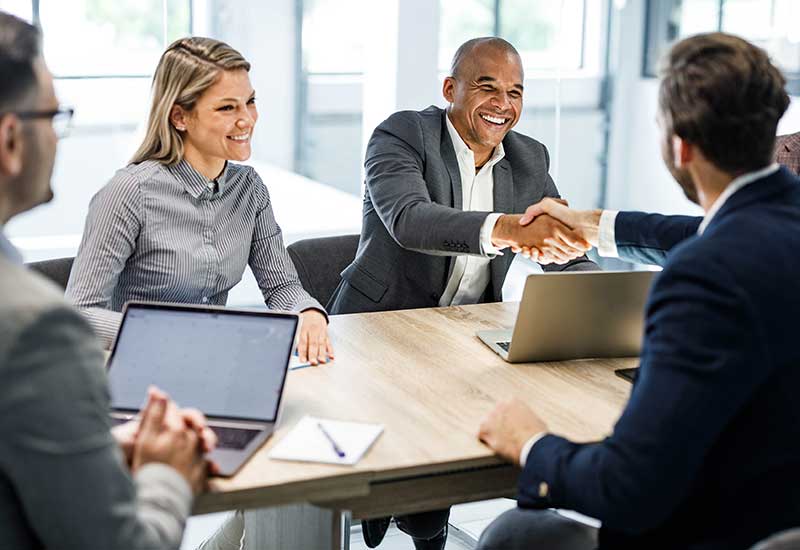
(333, 42)
(770, 24)
(110, 37)
(102, 54)
(21, 8)
(549, 35)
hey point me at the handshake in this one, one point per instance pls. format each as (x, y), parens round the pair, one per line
(549, 232)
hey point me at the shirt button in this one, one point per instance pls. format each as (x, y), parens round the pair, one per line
(205, 299)
(544, 489)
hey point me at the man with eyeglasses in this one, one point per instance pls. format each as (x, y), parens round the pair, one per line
(66, 481)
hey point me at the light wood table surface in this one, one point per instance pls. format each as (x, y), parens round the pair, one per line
(427, 378)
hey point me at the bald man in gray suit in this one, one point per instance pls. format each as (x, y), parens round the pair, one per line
(438, 224)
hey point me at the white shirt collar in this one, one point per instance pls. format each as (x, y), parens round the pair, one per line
(9, 250)
(733, 187)
(462, 149)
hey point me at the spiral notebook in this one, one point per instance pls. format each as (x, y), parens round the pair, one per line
(308, 442)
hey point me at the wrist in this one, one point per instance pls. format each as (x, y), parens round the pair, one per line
(504, 230)
(591, 226)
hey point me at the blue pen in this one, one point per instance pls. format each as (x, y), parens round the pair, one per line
(338, 450)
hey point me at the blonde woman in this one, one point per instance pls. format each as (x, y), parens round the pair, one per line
(181, 221)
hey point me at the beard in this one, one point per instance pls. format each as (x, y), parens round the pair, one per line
(682, 176)
(687, 184)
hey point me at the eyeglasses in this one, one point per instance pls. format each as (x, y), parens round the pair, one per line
(61, 119)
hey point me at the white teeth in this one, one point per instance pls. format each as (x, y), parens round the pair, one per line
(243, 137)
(494, 120)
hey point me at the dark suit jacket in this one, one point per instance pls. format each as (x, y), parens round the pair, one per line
(706, 454)
(413, 222)
(647, 238)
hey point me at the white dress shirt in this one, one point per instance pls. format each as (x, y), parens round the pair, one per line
(607, 245)
(471, 274)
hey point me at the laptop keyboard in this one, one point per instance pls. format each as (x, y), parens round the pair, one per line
(504, 345)
(234, 438)
(227, 438)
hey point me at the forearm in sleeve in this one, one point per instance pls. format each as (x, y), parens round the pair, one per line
(66, 468)
(400, 195)
(109, 239)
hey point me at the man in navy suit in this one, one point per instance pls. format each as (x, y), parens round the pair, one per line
(706, 454)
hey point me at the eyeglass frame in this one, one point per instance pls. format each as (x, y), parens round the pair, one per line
(67, 112)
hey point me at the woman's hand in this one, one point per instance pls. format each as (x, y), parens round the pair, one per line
(313, 345)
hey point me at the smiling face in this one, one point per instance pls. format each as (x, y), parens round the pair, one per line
(220, 126)
(485, 98)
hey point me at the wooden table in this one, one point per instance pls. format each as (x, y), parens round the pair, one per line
(426, 377)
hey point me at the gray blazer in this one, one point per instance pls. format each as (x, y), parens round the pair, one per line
(413, 222)
(63, 483)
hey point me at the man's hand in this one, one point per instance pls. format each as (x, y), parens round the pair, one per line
(585, 223)
(165, 437)
(508, 427)
(314, 346)
(126, 434)
(546, 239)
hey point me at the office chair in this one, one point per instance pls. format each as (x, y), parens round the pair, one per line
(319, 263)
(56, 270)
(785, 540)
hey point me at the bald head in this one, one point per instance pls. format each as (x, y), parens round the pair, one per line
(470, 51)
(484, 93)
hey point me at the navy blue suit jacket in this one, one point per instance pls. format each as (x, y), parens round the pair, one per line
(706, 454)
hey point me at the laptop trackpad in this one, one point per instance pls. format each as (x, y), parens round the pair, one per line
(234, 438)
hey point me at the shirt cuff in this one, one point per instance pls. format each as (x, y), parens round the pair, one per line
(487, 248)
(526, 449)
(607, 242)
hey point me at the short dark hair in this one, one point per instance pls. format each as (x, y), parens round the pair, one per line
(723, 95)
(20, 45)
(466, 48)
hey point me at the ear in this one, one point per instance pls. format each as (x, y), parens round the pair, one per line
(449, 89)
(178, 118)
(682, 152)
(11, 146)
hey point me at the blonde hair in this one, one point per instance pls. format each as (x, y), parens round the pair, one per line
(188, 68)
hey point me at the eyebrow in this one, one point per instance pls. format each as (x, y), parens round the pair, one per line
(482, 79)
(235, 99)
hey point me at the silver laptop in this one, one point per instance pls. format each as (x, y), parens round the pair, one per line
(575, 315)
(230, 364)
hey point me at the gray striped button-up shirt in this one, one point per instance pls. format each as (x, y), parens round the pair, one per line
(169, 234)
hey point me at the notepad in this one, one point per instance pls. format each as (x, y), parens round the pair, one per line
(307, 443)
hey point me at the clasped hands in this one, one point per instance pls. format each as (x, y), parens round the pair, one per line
(169, 435)
(548, 232)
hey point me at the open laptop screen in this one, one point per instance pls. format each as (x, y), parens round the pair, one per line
(229, 364)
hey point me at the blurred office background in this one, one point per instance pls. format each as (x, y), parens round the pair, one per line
(326, 72)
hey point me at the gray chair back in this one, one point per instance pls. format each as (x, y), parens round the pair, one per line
(785, 540)
(56, 270)
(320, 262)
